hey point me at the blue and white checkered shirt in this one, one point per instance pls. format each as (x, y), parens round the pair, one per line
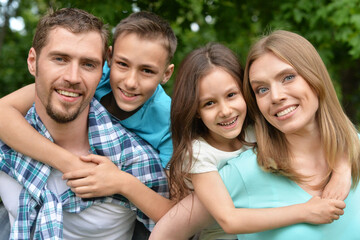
(41, 209)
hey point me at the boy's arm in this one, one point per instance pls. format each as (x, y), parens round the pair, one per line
(16, 132)
(340, 182)
(243, 220)
(107, 179)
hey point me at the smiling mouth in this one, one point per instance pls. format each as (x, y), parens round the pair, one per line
(67, 94)
(286, 111)
(229, 123)
(128, 94)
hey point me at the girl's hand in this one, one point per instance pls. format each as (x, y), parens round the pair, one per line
(102, 180)
(320, 211)
(340, 182)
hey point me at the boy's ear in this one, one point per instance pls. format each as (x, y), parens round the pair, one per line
(167, 74)
(109, 56)
(31, 61)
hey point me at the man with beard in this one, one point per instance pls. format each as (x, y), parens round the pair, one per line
(66, 59)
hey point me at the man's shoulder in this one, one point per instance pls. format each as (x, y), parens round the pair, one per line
(105, 127)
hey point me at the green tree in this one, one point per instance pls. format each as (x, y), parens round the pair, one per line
(333, 26)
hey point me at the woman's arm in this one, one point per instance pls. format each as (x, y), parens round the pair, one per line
(16, 132)
(213, 194)
(107, 179)
(340, 182)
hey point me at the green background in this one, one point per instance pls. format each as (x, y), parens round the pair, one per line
(332, 26)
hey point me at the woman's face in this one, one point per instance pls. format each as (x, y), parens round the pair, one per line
(283, 96)
(221, 107)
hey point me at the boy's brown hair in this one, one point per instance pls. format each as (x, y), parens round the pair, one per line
(151, 26)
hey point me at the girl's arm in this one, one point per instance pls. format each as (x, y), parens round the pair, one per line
(191, 215)
(16, 132)
(107, 179)
(212, 192)
(340, 182)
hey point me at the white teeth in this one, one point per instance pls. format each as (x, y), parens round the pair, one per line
(68, 94)
(286, 111)
(229, 123)
(128, 94)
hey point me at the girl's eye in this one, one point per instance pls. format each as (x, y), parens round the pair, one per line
(208, 103)
(231, 95)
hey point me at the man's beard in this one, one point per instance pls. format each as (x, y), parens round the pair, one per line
(61, 117)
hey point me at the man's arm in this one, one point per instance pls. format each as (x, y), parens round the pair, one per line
(17, 133)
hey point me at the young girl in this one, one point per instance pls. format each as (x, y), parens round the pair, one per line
(208, 113)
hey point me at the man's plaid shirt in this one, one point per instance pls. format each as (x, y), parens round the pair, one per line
(42, 209)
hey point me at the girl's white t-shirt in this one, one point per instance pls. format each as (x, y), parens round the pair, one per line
(207, 158)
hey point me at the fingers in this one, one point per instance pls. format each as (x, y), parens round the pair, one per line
(77, 174)
(94, 158)
(339, 204)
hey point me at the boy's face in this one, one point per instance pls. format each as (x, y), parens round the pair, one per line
(138, 65)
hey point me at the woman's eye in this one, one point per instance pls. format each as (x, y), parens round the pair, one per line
(261, 90)
(289, 77)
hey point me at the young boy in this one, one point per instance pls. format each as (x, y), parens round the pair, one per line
(143, 47)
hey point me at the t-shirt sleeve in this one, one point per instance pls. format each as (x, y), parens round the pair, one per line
(202, 161)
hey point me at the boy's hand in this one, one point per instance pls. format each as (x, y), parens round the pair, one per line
(320, 211)
(102, 180)
(340, 182)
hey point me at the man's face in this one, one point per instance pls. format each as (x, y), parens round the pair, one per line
(67, 72)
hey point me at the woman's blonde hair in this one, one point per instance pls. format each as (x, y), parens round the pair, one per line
(338, 134)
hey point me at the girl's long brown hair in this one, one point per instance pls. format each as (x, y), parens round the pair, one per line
(185, 125)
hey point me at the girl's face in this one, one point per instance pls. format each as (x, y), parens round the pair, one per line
(284, 98)
(221, 107)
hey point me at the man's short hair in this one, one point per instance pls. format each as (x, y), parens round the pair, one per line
(148, 25)
(72, 19)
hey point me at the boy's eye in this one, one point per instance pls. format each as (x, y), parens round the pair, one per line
(122, 64)
(148, 71)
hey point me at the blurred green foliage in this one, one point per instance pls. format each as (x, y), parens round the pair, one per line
(333, 26)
